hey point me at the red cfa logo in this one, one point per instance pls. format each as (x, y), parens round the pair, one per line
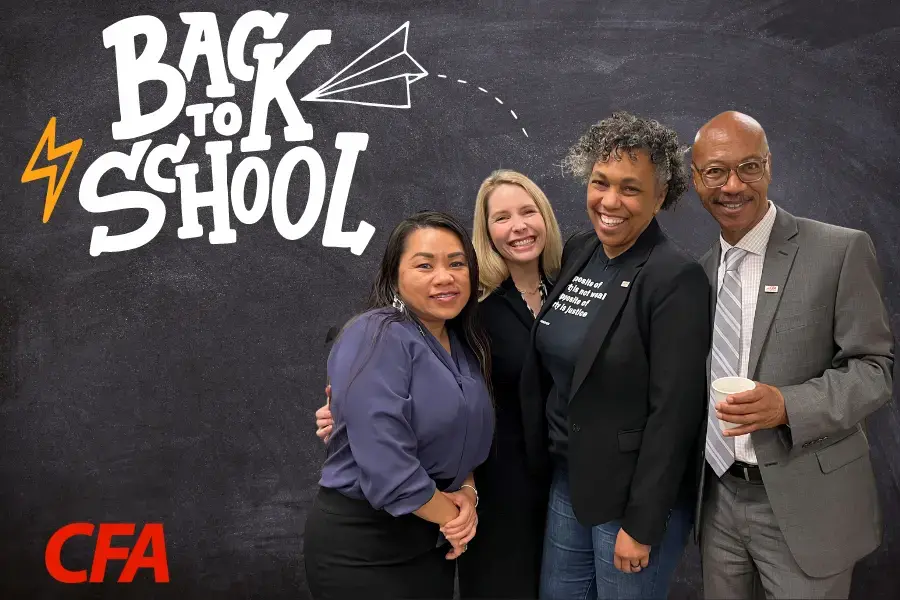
(135, 558)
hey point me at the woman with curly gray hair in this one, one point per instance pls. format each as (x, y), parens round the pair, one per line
(614, 386)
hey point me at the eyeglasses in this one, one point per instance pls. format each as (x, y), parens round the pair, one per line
(748, 171)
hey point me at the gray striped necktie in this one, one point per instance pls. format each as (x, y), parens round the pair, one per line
(726, 357)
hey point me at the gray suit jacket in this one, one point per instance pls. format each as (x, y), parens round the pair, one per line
(824, 340)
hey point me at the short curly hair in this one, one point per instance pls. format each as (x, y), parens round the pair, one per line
(626, 132)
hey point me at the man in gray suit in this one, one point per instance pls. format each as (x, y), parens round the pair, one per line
(789, 503)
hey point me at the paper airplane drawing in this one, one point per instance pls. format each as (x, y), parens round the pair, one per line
(380, 76)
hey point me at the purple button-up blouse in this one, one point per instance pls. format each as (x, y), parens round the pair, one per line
(406, 413)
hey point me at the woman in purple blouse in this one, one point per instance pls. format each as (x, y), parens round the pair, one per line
(519, 247)
(413, 417)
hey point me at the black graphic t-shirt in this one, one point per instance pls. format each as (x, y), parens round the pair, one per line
(561, 332)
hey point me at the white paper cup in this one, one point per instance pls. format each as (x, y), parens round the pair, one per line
(726, 386)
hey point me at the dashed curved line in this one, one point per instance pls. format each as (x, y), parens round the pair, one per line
(499, 101)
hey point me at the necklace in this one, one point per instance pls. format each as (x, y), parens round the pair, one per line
(540, 288)
(534, 291)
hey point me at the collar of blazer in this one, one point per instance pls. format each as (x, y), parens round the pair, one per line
(630, 264)
(507, 290)
(780, 253)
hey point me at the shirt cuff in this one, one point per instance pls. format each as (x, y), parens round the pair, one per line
(412, 502)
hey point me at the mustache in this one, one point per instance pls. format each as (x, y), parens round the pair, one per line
(729, 198)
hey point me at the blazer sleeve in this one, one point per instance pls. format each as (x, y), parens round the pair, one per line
(680, 338)
(376, 410)
(860, 379)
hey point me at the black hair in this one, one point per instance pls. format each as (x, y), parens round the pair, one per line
(626, 132)
(385, 287)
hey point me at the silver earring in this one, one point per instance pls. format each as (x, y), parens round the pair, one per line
(398, 303)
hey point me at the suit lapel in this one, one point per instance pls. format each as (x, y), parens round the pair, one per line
(612, 305)
(530, 378)
(779, 258)
(599, 328)
(710, 264)
(535, 382)
(515, 301)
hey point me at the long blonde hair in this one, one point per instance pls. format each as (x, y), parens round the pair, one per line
(492, 267)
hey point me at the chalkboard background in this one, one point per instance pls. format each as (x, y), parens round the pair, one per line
(176, 383)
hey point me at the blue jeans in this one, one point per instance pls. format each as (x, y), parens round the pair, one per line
(578, 560)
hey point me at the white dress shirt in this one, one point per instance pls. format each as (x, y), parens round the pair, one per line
(750, 272)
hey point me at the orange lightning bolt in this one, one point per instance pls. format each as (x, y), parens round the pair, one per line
(54, 187)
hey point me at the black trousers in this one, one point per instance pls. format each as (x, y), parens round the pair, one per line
(354, 551)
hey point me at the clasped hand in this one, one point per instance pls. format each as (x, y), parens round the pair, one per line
(460, 531)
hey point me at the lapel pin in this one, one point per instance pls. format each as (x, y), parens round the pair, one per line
(771, 289)
(626, 283)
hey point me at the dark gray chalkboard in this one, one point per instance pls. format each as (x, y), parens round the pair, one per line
(176, 382)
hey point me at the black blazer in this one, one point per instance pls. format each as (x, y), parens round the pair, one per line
(508, 323)
(639, 389)
(505, 562)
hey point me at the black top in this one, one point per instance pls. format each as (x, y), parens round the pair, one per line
(561, 332)
(512, 508)
(637, 397)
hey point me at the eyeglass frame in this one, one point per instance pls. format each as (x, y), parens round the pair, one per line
(764, 161)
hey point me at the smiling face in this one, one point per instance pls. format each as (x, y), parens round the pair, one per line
(433, 275)
(727, 142)
(515, 224)
(622, 198)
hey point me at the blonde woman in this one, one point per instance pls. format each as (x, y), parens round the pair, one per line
(519, 249)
